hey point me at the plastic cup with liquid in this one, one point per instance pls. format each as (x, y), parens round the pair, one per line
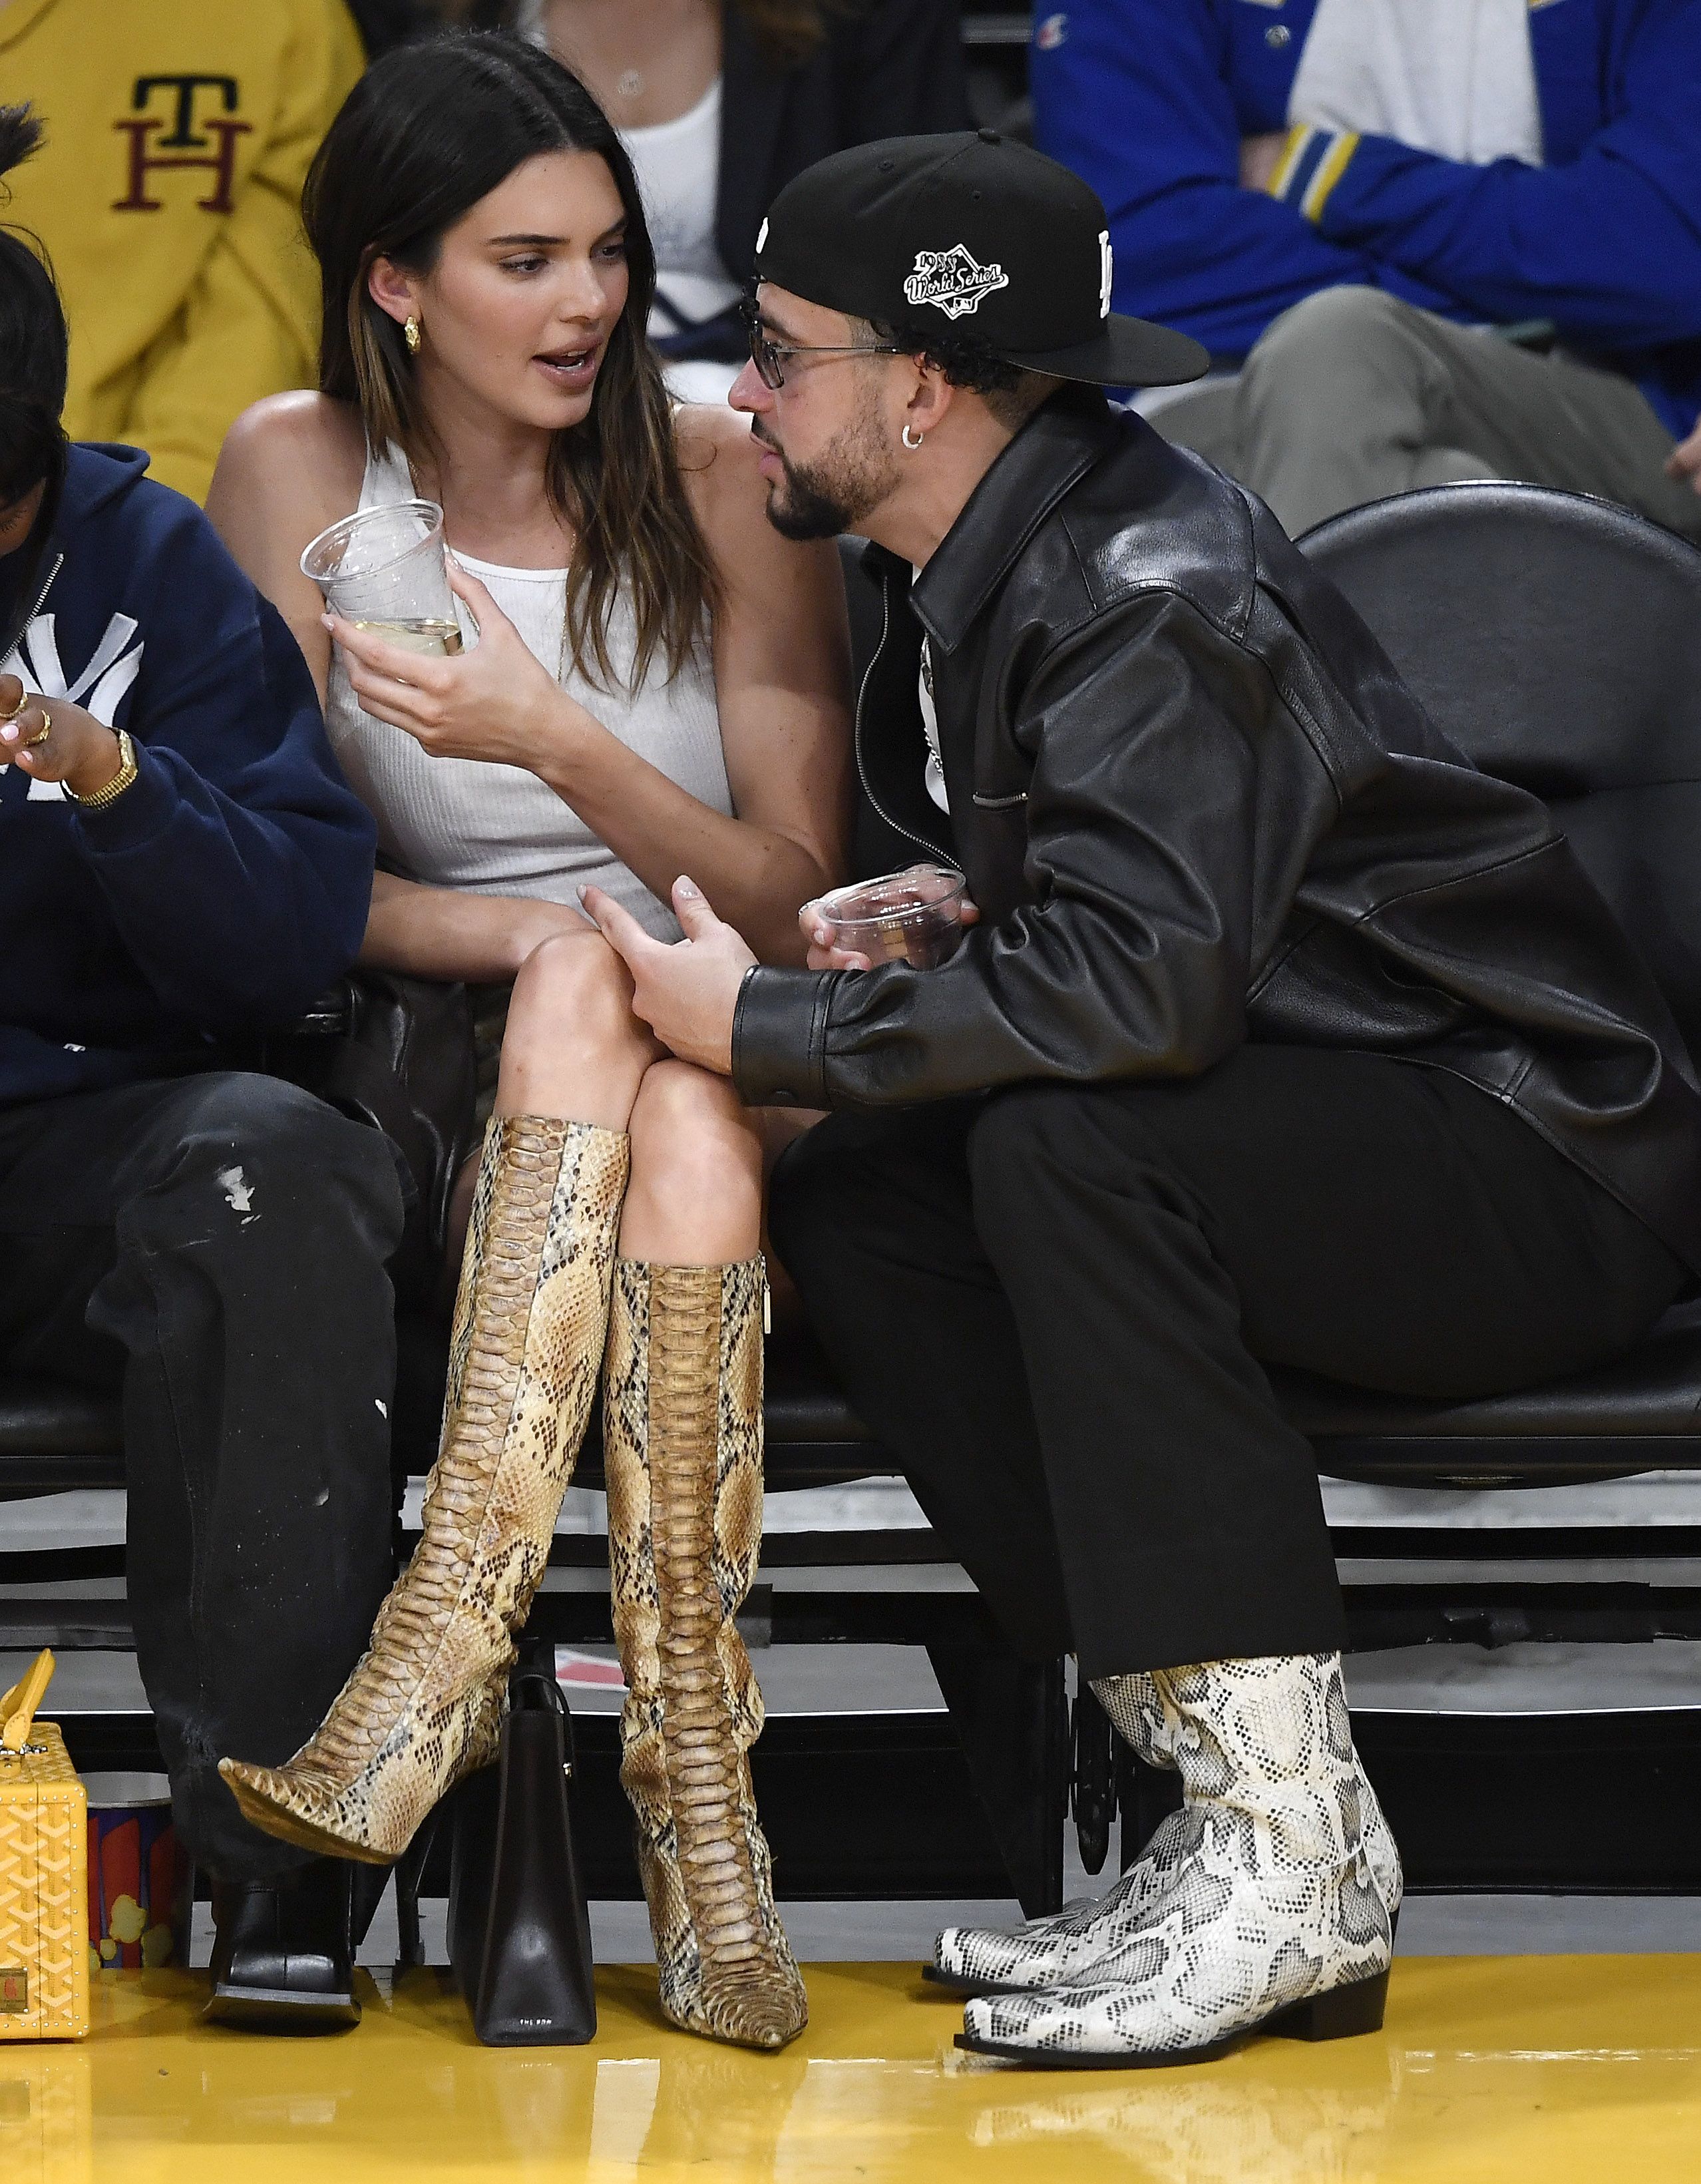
(913, 916)
(383, 569)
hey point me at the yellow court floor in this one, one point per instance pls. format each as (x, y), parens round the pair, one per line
(1538, 2069)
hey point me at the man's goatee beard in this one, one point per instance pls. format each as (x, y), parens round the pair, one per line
(805, 512)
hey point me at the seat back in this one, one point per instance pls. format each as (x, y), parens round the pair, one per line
(1557, 640)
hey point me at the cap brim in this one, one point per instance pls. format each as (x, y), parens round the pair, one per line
(1124, 353)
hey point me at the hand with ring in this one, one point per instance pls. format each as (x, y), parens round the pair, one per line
(56, 742)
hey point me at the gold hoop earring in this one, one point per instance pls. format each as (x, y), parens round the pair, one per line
(410, 334)
(913, 444)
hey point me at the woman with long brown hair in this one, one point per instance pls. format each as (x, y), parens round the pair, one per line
(719, 103)
(657, 689)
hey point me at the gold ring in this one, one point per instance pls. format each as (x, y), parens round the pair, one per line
(17, 710)
(31, 742)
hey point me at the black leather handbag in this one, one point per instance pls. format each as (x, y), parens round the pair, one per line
(395, 1053)
(519, 1934)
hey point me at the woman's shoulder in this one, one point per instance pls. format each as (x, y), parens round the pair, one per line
(301, 446)
(289, 465)
(759, 571)
(717, 461)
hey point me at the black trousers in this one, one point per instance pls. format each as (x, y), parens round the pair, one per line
(1055, 1305)
(215, 1248)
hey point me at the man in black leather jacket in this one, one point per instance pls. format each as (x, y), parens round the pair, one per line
(1285, 1037)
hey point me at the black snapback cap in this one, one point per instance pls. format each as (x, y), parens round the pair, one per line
(1003, 243)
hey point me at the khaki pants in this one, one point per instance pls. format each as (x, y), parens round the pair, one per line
(1351, 396)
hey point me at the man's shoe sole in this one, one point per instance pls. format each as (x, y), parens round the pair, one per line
(1342, 2013)
(280, 2010)
(956, 1983)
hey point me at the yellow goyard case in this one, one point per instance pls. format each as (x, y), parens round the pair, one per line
(44, 1921)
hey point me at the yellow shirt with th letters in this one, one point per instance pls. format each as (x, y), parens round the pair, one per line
(168, 195)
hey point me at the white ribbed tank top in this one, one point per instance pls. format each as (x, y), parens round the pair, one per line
(497, 829)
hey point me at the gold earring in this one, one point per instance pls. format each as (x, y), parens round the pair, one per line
(410, 334)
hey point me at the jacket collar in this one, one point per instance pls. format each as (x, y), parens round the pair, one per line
(1055, 448)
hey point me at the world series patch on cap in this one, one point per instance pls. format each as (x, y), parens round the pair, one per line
(1002, 243)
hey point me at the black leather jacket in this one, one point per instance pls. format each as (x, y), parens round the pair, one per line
(1197, 805)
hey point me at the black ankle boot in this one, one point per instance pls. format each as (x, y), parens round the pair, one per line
(283, 1954)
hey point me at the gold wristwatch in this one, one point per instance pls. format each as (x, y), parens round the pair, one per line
(120, 782)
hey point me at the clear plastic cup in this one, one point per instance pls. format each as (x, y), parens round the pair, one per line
(906, 917)
(384, 570)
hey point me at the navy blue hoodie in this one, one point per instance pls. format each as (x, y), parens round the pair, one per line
(230, 884)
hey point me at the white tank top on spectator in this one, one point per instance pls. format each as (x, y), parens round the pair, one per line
(498, 829)
(1455, 77)
(678, 165)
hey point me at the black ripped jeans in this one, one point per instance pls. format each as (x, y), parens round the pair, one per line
(214, 1247)
(1055, 1307)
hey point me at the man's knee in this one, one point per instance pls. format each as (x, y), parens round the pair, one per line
(1038, 1152)
(1022, 1134)
(807, 1194)
(1330, 353)
(261, 1145)
(1334, 323)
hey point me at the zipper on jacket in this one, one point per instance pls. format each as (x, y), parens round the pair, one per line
(930, 849)
(41, 596)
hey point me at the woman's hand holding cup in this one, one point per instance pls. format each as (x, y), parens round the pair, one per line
(497, 702)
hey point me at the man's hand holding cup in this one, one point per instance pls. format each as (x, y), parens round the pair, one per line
(918, 916)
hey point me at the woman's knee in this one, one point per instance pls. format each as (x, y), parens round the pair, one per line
(686, 1122)
(575, 983)
(571, 1046)
(695, 1196)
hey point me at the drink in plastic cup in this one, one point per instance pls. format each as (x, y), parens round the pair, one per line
(383, 569)
(907, 917)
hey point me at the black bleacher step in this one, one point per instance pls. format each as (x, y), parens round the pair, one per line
(94, 1626)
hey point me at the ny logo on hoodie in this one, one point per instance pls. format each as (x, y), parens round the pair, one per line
(99, 689)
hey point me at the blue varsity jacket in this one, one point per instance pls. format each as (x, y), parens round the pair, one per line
(1149, 101)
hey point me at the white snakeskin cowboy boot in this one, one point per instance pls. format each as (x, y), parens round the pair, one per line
(682, 1453)
(1270, 1919)
(1062, 1949)
(1046, 1952)
(424, 1707)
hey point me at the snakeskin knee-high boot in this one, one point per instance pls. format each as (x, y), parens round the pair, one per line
(424, 1707)
(682, 1448)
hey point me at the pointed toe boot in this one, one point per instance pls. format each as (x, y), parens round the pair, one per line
(1272, 1919)
(424, 1707)
(1065, 1948)
(682, 1446)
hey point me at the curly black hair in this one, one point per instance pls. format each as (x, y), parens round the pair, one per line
(1009, 390)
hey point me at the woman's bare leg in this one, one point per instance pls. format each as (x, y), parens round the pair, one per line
(694, 1197)
(682, 1458)
(571, 1050)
